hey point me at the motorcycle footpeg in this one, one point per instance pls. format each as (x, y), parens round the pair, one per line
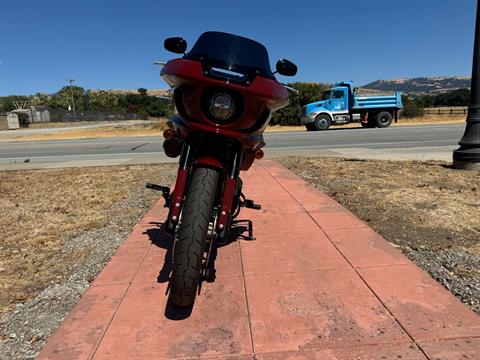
(165, 190)
(250, 204)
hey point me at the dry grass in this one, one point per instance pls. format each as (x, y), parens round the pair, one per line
(433, 120)
(42, 209)
(57, 125)
(151, 129)
(276, 128)
(410, 203)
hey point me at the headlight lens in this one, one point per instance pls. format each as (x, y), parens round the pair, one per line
(222, 106)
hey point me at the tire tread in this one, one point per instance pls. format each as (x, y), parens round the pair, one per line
(192, 235)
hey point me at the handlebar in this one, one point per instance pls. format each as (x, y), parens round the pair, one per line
(291, 89)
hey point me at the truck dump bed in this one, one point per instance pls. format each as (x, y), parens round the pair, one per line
(371, 102)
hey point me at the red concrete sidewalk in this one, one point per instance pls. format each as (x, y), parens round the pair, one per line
(317, 283)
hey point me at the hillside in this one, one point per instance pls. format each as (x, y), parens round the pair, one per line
(421, 85)
(152, 92)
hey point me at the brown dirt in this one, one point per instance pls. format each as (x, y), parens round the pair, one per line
(42, 209)
(50, 125)
(427, 209)
(432, 120)
(414, 204)
(151, 129)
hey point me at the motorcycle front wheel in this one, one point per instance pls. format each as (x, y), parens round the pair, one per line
(192, 235)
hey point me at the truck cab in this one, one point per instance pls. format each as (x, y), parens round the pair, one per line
(340, 105)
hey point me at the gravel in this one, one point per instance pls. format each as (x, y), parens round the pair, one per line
(456, 270)
(26, 328)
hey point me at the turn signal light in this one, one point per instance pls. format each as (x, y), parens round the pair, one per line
(259, 154)
(168, 134)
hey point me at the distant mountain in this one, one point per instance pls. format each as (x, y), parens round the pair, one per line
(421, 85)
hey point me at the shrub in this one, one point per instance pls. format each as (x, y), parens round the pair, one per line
(412, 109)
(292, 114)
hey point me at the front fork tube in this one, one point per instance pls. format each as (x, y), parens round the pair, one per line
(225, 212)
(180, 186)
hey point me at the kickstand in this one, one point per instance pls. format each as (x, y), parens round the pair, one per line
(249, 228)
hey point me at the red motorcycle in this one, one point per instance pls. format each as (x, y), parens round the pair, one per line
(224, 94)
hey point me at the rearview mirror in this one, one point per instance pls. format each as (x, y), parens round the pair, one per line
(287, 68)
(176, 45)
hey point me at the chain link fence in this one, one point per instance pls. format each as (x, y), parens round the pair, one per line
(69, 116)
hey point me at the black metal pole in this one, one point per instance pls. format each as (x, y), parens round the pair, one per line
(468, 155)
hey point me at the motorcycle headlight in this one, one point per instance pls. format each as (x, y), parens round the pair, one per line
(222, 107)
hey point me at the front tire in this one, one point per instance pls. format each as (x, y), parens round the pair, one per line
(192, 236)
(323, 122)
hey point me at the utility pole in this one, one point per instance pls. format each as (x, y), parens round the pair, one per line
(468, 155)
(71, 93)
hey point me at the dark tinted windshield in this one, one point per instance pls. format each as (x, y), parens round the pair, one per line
(231, 52)
(326, 95)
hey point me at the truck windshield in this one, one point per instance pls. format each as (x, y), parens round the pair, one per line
(232, 53)
(326, 95)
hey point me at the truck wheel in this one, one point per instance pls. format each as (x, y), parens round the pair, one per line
(310, 126)
(384, 119)
(322, 122)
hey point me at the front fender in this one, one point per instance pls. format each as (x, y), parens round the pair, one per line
(210, 162)
(310, 117)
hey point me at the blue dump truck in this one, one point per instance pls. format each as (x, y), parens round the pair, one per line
(341, 105)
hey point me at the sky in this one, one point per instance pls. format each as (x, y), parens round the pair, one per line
(111, 44)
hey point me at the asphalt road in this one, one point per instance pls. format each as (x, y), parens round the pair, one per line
(417, 142)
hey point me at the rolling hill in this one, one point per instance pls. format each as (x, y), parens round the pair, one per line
(421, 85)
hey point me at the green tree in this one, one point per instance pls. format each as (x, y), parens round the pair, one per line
(41, 99)
(102, 101)
(63, 98)
(292, 114)
(426, 101)
(159, 107)
(460, 97)
(7, 103)
(411, 108)
(145, 105)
